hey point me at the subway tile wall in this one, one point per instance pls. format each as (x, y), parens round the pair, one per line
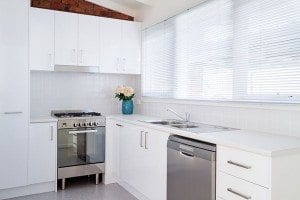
(281, 122)
(65, 90)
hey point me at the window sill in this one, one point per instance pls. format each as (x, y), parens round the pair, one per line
(233, 104)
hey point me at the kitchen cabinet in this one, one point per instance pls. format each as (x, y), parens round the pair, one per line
(41, 39)
(88, 41)
(42, 152)
(154, 164)
(76, 40)
(120, 46)
(110, 45)
(246, 175)
(131, 47)
(66, 38)
(142, 158)
(14, 93)
(113, 129)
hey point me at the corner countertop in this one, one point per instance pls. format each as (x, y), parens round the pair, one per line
(43, 119)
(252, 141)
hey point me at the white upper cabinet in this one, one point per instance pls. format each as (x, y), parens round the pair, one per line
(120, 46)
(42, 153)
(88, 41)
(66, 38)
(41, 39)
(14, 93)
(131, 47)
(110, 45)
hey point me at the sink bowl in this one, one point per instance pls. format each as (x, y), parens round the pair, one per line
(184, 126)
(168, 122)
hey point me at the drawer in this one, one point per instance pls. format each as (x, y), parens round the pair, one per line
(232, 188)
(248, 166)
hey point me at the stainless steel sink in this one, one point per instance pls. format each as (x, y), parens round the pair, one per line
(168, 122)
(184, 126)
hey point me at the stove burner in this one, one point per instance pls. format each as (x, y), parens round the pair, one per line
(77, 114)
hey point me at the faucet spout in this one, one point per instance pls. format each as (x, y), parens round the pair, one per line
(186, 118)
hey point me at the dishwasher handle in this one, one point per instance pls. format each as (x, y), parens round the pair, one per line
(187, 154)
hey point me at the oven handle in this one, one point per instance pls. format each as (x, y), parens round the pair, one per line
(81, 132)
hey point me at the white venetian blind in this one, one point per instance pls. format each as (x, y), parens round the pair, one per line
(244, 50)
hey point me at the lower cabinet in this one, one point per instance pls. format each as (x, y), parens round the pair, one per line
(141, 160)
(42, 152)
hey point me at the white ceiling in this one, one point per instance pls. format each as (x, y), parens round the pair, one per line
(134, 4)
(130, 7)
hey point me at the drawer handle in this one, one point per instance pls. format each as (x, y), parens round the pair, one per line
(119, 125)
(239, 164)
(238, 193)
(13, 113)
(141, 139)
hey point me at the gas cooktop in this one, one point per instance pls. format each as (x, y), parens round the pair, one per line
(70, 114)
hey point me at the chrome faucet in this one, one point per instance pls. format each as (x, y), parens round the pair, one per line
(186, 118)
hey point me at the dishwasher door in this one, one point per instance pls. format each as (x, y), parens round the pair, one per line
(191, 170)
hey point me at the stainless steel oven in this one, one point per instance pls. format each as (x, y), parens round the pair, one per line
(80, 144)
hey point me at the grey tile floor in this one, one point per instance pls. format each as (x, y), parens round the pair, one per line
(84, 190)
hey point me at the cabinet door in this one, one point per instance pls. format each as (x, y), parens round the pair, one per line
(154, 164)
(42, 153)
(131, 156)
(110, 45)
(88, 41)
(131, 45)
(113, 128)
(41, 39)
(14, 90)
(66, 38)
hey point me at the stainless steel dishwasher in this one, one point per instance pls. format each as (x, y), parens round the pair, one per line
(191, 169)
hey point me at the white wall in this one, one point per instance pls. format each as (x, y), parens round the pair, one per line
(163, 9)
(65, 90)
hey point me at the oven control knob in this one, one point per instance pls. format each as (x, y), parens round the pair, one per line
(95, 124)
(79, 124)
(91, 124)
(84, 124)
(75, 124)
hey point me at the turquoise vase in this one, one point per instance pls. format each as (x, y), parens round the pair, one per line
(127, 107)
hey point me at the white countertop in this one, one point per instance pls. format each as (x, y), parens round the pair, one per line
(257, 142)
(43, 119)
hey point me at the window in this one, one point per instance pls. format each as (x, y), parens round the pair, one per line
(240, 50)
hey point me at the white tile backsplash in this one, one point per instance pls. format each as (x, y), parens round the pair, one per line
(282, 122)
(65, 90)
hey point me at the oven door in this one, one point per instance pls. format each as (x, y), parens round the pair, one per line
(80, 146)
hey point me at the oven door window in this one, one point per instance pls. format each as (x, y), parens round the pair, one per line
(80, 146)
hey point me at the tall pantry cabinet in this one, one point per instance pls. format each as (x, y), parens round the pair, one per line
(14, 93)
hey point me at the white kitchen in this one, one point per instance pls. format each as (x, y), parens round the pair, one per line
(150, 99)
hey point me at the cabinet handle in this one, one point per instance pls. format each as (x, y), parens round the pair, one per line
(50, 60)
(118, 63)
(146, 140)
(119, 125)
(81, 56)
(141, 139)
(13, 113)
(238, 193)
(124, 64)
(51, 136)
(74, 55)
(239, 164)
